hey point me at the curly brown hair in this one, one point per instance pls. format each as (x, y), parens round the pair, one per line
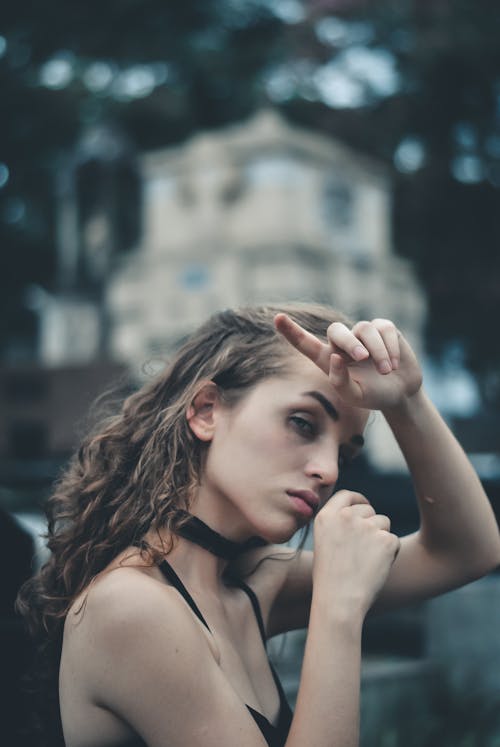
(135, 471)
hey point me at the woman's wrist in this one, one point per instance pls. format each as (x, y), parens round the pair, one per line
(407, 409)
(339, 610)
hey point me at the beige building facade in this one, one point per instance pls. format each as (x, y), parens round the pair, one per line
(256, 212)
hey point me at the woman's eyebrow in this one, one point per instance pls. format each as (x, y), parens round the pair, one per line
(325, 404)
(357, 440)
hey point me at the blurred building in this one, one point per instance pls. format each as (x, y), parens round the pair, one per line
(259, 211)
(256, 212)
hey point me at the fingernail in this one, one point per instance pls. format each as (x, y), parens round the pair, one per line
(359, 352)
(395, 363)
(384, 366)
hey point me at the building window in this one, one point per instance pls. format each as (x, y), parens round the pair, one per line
(232, 192)
(194, 277)
(362, 262)
(274, 170)
(338, 204)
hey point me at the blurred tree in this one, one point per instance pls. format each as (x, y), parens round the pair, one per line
(414, 83)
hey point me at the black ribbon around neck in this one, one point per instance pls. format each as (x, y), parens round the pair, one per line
(195, 530)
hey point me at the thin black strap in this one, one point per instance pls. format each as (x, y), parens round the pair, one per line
(285, 715)
(255, 603)
(174, 579)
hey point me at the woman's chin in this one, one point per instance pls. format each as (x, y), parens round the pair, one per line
(280, 532)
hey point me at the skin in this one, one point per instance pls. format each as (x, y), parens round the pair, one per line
(278, 439)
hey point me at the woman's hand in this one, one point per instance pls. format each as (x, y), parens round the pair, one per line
(353, 552)
(370, 366)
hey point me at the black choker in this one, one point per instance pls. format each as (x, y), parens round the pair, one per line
(195, 530)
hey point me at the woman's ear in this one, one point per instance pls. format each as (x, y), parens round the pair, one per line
(200, 413)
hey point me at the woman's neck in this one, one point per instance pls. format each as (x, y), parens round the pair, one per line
(201, 554)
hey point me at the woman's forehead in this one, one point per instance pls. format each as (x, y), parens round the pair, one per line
(299, 368)
(297, 373)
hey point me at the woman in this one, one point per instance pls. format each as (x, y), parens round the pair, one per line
(165, 576)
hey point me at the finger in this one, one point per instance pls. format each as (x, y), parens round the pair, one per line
(305, 342)
(338, 373)
(372, 339)
(365, 511)
(343, 340)
(394, 544)
(389, 333)
(344, 498)
(397, 546)
(381, 522)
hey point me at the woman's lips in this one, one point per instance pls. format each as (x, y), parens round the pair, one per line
(305, 501)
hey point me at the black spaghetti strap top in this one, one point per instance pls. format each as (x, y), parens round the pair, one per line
(275, 735)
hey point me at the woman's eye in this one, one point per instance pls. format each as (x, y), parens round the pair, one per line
(303, 426)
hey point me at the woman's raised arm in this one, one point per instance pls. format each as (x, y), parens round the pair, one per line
(372, 366)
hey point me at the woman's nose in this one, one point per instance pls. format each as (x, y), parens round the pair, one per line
(324, 468)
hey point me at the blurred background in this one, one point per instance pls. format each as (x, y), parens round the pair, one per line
(160, 161)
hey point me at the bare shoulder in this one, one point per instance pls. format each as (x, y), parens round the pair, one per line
(143, 651)
(124, 602)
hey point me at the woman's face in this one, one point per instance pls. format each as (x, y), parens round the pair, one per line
(273, 459)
